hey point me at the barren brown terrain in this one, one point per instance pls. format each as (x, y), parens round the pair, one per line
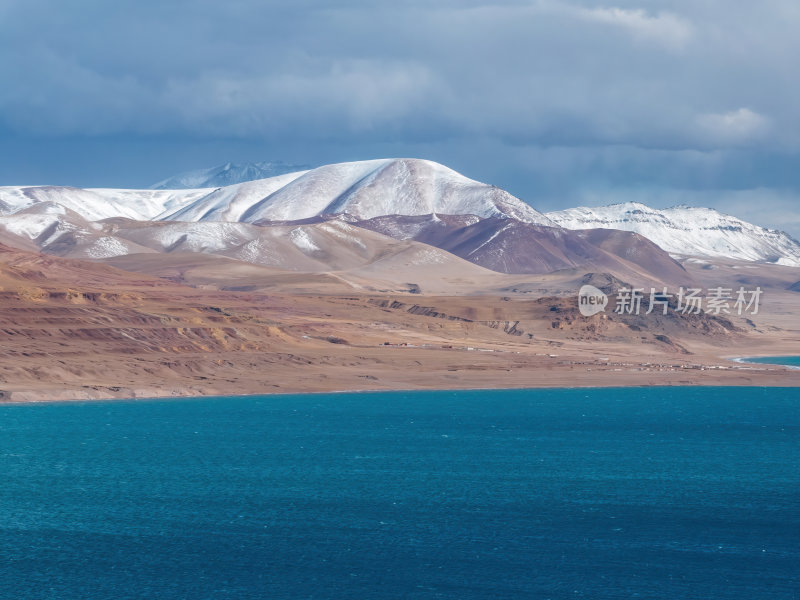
(72, 329)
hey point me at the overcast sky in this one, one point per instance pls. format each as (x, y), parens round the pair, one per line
(562, 103)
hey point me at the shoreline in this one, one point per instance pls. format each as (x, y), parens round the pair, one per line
(753, 360)
(183, 343)
(195, 396)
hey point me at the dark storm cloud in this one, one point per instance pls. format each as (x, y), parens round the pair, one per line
(674, 76)
(666, 94)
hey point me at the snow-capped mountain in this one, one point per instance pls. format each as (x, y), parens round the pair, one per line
(227, 174)
(362, 190)
(414, 200)
(689, 231)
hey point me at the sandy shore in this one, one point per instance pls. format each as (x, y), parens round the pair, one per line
(342, 368)
(73, 331)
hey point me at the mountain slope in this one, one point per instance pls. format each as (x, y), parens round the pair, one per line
(510, 246)
(689, 231)
(227, 174)
(229, 203)
(99, 203)
(325, 246)
(50, 228)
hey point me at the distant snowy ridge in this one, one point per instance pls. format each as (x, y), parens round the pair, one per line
(97, 204)
(227, 174)
(688, 231)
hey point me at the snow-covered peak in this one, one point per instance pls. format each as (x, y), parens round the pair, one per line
(362, 190)
(375, 188)
(688, 231)
(227, 174)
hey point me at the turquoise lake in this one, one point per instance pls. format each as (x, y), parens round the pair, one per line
(789, 361)
(657, 493)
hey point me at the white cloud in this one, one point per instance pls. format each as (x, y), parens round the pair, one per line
(735, 127)
(663, 28)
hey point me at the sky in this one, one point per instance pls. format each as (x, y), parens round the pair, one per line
(563, 103)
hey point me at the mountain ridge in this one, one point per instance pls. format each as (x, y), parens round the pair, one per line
(688, 231)
(363, 189)
(391, 187)
(227, 174)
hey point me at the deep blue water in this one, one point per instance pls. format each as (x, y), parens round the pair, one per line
(789, 361)
(661, 493)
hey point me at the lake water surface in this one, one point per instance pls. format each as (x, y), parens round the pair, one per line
(659, 493)
(788, 361)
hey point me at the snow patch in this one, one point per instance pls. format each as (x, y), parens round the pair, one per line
(106, 247)
(303, 241)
